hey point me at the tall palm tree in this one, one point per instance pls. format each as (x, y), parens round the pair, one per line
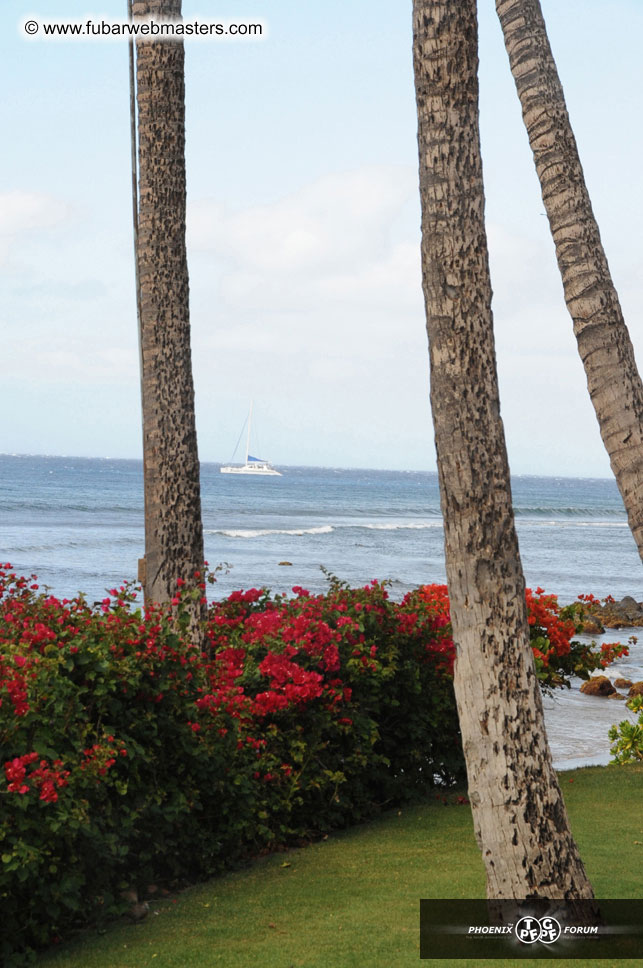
(173, 527)
(603, 340)
(519, 814)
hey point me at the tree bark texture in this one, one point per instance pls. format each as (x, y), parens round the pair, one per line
(603, 340)
(519, 814)
(173, 527)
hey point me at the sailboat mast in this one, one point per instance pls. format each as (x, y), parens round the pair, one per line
(248, 437)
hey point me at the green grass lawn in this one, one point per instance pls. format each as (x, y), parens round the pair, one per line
(352, 901)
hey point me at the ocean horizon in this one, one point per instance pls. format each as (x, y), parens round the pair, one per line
(314, 467)
(78, 523)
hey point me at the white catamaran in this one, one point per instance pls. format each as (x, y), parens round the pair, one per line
(256, 466)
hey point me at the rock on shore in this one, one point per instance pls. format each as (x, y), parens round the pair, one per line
(627, 613)
(602, 686)
(598, 686)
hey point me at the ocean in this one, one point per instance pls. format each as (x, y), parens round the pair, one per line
(78, 524)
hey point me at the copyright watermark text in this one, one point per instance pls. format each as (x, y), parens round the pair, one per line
(201, 28)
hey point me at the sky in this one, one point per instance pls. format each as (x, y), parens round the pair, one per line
(303, 234)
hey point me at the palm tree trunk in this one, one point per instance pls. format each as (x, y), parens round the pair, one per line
(173, 528)
(519, 814)
(603, 340)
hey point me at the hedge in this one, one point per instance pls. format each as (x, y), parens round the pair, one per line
(132, 757)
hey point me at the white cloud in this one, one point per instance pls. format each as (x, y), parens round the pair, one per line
(334, 264)
(313, 305)
(70, 358)
(23, 212)
(338, 220)
(67, 314)
(317, 298)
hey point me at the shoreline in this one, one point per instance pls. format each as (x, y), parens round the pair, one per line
(577, 724)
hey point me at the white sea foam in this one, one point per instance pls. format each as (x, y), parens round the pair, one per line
(404, 526)
(397, 526)
(264, 532)
(533, 523)
(326, 529)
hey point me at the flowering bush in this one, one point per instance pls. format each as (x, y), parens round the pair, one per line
(358, 711)
(627, 737)
(558, 657)
(129, 756)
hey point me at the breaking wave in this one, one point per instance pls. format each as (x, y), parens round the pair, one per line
(571, 512)
(264, 532)
(415, 526)
(559, 521)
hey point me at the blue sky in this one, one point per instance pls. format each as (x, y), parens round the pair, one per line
(303, 235)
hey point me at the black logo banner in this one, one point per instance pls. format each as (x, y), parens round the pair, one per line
(535, 928)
